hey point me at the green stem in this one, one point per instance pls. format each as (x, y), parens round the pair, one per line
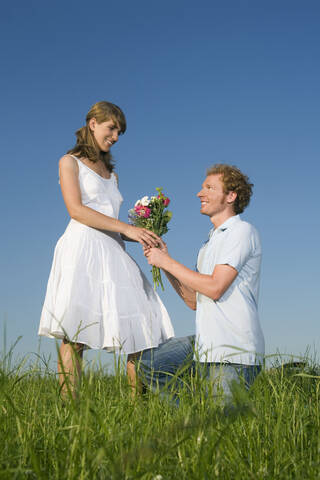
(157, 280)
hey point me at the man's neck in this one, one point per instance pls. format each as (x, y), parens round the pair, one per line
(220, 218)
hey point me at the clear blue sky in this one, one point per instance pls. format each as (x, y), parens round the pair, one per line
(200, 83)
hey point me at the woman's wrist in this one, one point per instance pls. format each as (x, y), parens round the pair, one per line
(125, 229)
(122, 228)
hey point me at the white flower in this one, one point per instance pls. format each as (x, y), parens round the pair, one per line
(145, 201)
(138, 202)
(153, 198)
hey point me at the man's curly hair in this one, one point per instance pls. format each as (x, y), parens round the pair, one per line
(234, 181)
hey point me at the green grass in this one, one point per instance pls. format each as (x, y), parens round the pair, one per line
(272, 433)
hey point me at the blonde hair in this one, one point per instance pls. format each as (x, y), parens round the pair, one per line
(234, 180)
(86, 145)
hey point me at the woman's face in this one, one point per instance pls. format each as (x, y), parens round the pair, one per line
(105, 133)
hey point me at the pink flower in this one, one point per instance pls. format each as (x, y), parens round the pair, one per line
(142, 211)
(147, 212)
(166, 201)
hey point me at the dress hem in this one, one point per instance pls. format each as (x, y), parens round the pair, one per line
(109, 349)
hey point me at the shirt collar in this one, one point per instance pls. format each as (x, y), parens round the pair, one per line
(228, 223)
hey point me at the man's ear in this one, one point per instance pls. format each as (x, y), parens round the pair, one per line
(231, 197)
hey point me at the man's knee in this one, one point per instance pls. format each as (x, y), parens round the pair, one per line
(158, 366)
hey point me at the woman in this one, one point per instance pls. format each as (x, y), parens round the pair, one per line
(97, 296)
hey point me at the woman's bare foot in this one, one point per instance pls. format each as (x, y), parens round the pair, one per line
(133, 380)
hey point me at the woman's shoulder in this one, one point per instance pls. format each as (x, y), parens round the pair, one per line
(68, 161)
(68, 167)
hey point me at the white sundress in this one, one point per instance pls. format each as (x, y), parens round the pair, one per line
(96, 294)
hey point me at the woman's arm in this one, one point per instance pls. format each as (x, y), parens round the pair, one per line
(69, 182)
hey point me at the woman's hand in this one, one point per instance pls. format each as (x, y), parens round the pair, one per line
(143, 236)
(161, 246)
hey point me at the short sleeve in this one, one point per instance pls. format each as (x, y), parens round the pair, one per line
(236, 249)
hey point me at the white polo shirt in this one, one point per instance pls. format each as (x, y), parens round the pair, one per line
(228, 330)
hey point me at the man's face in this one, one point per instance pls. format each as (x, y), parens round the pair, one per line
(212, 197)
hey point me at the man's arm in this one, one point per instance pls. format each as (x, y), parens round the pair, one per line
(187, 294)
(212, 286)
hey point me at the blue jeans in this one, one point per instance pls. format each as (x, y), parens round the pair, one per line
(222, 376)
(164, 366)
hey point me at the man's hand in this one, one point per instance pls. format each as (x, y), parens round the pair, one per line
(160, 257)
(157, 256)
(161, 246)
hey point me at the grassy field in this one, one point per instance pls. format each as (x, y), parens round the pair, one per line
(272, 433)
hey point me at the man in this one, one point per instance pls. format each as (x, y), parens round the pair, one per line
(223, 290)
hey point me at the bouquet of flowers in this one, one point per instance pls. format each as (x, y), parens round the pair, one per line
(152, 213)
